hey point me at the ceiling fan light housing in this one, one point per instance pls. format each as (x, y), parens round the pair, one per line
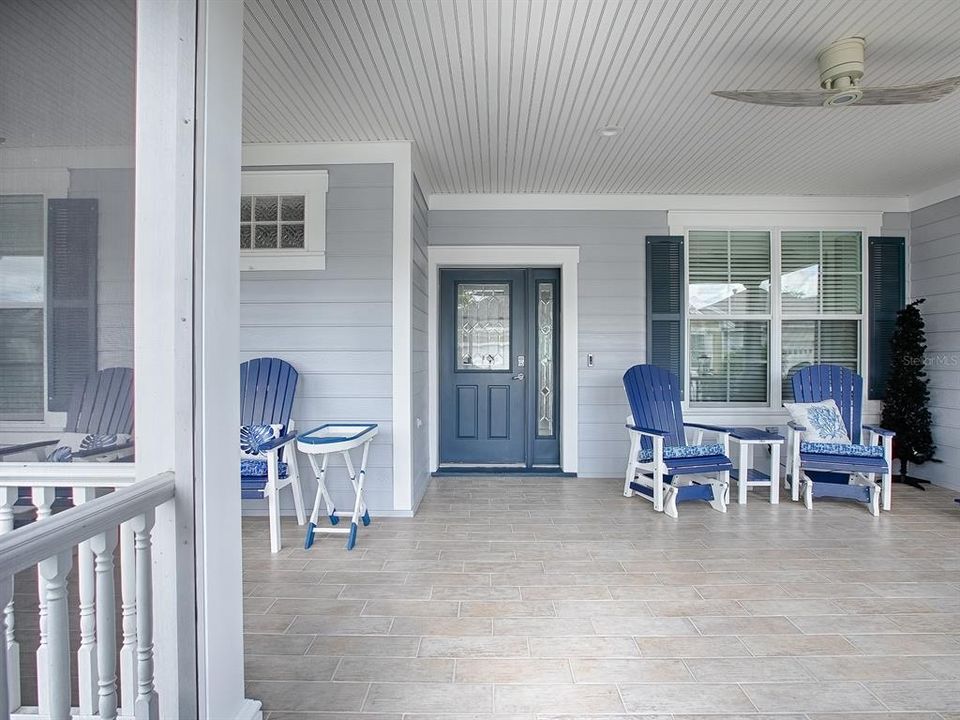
(844, 97)
(841, 64)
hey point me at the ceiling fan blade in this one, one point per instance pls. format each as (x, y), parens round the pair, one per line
(909, 94)
(781, 98)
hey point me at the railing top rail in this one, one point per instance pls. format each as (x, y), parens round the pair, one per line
(79, 474)
(27, 546)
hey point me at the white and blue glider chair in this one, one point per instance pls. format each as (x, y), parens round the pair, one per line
(99, 423)
(267, 389)
(660, 457)
(99, 428)
(847, 468)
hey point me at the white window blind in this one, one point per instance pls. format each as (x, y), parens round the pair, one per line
(729, 311)
(22, 291)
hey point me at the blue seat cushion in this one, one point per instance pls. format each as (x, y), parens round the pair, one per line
(258, 469)
(844, 449)
(676, 452)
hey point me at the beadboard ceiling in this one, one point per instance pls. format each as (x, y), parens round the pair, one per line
(504, 96)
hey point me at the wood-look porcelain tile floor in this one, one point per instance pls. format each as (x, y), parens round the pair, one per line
(536, 598)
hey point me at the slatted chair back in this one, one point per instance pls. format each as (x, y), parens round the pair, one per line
(267, 388)
(654, 396)
(824, 382)
(103, 403)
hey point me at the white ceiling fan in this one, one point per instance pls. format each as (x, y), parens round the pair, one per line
(841, 69)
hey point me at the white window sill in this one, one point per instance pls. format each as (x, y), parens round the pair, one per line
(282, 261)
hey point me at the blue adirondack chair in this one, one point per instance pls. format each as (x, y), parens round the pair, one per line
(267, 389)
(659, 454)
(841, 471)
(101, 409)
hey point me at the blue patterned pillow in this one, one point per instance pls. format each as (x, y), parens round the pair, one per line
(848, 450)
(822, 421)
(673, 452)
(258, 468)
(254, 437)
(74, 442)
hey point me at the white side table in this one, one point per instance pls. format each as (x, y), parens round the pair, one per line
(746, 476)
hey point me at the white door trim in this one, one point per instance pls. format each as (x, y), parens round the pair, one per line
(565, 257)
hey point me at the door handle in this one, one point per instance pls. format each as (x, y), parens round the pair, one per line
(518, 376)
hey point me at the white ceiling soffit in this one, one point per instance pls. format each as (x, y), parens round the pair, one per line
(508, 96)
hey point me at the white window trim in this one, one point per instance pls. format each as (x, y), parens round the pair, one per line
(866, 223)
(312, 184)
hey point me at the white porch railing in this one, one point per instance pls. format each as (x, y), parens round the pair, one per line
(95, 526)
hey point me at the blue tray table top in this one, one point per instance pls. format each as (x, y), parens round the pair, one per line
(318, 444)
(747, 477)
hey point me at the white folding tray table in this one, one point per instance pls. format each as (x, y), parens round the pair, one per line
(318, 444)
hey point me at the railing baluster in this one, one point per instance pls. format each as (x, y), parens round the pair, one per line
(54, 571)
(146, 707)
(43, 498)
(103, 546)
(128, 608)
(11, 648)
(87, 653)
(6, 696)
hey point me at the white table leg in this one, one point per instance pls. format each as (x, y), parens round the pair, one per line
(743, 473)
(774, 473)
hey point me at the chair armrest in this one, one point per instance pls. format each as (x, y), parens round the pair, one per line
(796, 426)
(104, 450)
(14, 449)
(711, 428)
(882, 432)
(647, 431)
(278, 442)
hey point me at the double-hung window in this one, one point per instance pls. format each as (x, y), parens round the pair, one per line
(22, 293)
(728, 308)
(764, 301)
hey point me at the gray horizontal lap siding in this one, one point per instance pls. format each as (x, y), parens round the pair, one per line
(935, 275)
(335, 327)
(611, 303)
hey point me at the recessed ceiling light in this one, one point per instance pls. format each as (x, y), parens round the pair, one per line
(609, 131)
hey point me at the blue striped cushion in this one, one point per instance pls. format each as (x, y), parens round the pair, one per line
(845, 449)
(673, 452)
(258, 468)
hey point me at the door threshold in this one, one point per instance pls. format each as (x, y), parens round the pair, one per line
(460, 470)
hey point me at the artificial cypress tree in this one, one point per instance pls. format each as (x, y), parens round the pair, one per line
(905, 407)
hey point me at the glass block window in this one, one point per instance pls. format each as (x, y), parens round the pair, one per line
(271, 222)
(283, 219)
(483, 326)
(546, 375)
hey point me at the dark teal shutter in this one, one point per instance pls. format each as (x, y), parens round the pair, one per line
(666, 297)
(72, 228)
(886, 293)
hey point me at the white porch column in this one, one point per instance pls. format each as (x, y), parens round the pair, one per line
(163, 329)
(217, 287)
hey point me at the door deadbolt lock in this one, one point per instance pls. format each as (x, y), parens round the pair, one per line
(521, 360)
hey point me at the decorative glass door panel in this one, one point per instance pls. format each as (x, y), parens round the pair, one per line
(483, 326)
(546, 391)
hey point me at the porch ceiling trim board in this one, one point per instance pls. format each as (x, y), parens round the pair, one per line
(401, 156)
(934, 195)
(744, 203)
(566, 257)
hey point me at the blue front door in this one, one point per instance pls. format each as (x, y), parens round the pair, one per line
(498, 370)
